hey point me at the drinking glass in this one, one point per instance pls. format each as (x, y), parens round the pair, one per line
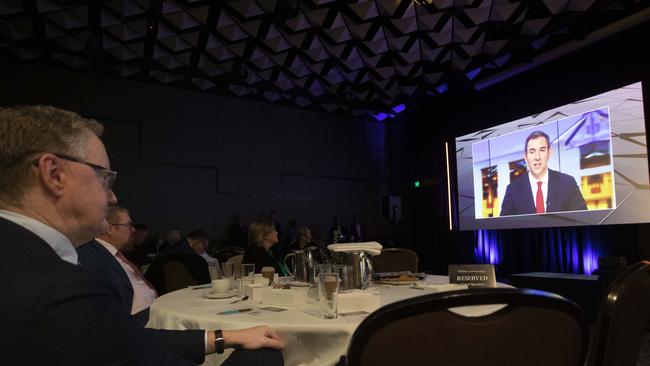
(316, 270)
(345, 274)
(328, 291)
(247, 275)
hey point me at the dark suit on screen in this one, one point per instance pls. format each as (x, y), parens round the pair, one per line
(563, 195)
(57, 313)
(94, 257)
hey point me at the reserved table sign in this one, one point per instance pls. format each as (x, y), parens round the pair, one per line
(473, 275)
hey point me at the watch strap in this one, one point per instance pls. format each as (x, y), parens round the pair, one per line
(219, 343)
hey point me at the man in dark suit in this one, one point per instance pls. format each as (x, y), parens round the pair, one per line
(542, 189)
(188, 251)
(105, 256)
(55, 188)
(357, 230)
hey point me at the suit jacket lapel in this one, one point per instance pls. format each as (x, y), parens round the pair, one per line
(528, 199)
(117, 269)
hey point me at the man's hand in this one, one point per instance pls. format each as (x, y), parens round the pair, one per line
(253, 338)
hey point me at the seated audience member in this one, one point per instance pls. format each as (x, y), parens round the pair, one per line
(262, 236)
(195, 243)
(303, 239)
(188, 251)
(339, 231)
(357, 231)
(137, 253)
(55, 189)
(208, 258)
(105, 256)
(278, 250)
(291, 235)
(171, 238)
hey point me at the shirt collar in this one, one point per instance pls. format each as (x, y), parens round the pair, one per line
(59, 242)
(533, 180)
(110, 247)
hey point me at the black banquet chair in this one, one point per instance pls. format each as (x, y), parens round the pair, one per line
(395, 260)
(622, 319)
(176, 271)
(533, 328)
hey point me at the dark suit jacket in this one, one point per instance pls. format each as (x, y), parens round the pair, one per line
(56, 313)
(563, 195)
(96, 258)
(180, 247)
(181, 250)
(359, 235)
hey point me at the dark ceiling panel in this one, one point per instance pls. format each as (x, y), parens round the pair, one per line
(341, 56)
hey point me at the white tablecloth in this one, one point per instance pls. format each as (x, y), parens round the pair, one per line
(309, 339)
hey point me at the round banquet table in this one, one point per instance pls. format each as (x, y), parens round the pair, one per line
(309, 339)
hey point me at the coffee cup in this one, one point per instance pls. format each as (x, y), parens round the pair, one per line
(221, 285)
(268, 273)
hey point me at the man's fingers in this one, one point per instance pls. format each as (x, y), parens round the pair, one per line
(271, 333)
(274, 343)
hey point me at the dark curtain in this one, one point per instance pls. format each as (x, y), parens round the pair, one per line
(567, 250)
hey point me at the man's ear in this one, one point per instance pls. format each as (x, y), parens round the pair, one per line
(51, 174)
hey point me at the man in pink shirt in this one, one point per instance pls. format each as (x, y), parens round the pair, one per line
(105, 256)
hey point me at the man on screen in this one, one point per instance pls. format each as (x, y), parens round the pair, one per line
(542, 189)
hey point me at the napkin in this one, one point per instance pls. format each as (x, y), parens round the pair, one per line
(371, 247)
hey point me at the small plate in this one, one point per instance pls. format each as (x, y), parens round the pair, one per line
(220, 295)
(298, 284)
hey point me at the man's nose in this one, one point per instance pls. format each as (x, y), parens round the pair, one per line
(112, 198)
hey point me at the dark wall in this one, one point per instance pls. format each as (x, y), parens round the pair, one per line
(616, 61)
(193, 160)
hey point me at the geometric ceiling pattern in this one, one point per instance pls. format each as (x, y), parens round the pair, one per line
(352, 57)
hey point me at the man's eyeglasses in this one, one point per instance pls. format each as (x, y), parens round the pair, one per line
(129, 224)
(109, 176)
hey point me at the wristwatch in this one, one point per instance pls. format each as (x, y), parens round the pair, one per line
(219, 343)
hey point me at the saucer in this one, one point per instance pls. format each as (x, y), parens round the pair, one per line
(220, 295)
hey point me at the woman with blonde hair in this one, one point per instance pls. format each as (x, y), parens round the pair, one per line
(261, 237)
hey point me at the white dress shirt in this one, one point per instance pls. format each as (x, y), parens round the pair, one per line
(59, 242)
(533, 187)
(143, 295)
(210, 259)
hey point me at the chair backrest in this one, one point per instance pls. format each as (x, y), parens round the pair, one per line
(531, 328)
(609, 268)
(177, 276)
(190, 269)
(395, 260)
(237, 259)
(225, 253)
(622, 318)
